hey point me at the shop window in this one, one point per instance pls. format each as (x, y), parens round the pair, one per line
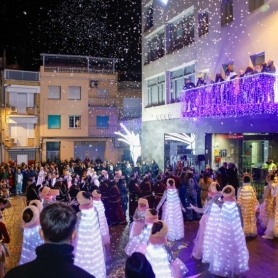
(156, 91)
(181, 32)
(74, 121)
(203, 23)
(148, 13)
(102, 121)
(255, 4)
(54, 122)
(54, 92)
(226, 12)
(74, 92)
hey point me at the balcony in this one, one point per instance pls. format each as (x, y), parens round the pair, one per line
(21, 75)
(95, 131)
(255, 94)
(102, 102)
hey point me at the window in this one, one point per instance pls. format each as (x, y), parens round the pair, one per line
(258, 59)
(102, 93)
(181, 32)
(203, 23)
(255, 4)
(178, 79)
(148, 17)
(74, 92)
(156, 91)
(226, 12)
(155, 47)
(54, 121)
(132, 107)
(54, 92)
(102, 121)
(74, 121)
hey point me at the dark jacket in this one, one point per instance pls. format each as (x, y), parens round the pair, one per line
(53, 260)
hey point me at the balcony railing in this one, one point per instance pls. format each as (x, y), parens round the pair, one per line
(78, 70)
(21, 75)
(101, 102)
(255, 94)
(95, 131)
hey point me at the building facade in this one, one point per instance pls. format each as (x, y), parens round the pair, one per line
(189, 39)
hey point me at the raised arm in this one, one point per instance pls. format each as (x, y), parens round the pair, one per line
(162, 200)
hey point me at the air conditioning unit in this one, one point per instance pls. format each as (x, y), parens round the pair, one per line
(94, 83)
(13, 109)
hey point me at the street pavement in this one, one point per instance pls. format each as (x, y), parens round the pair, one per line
(263, 261)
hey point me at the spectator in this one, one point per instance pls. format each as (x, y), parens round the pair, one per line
(270, 68)
(188, 84)
(54, 257)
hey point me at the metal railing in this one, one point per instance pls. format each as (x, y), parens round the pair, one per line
(255, 94)
(21, 75)
(101, 102)
(78, 70)
(96, 131)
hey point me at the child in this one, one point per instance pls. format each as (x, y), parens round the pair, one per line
(138, 218)
(230, 255)
(247, 200)
(159, 254)
(151, 216)
(89, 253)
(31, 238)
(172, 214)
(104, 230)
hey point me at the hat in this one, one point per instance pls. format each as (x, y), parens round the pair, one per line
(213, 187)
(151, 215)
(170, 181)
(158, 178)
(28, 217)
(230, 191)
(96, 194)
(143, 201)
(111, 177)
(159, 229)
(45, 191)
(84, 198)
(36, 203)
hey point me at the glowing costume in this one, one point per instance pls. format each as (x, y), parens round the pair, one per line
(230, 254)
(104, 230)
(247, 200)
(89, 253)
(172, 211)
(31, 237)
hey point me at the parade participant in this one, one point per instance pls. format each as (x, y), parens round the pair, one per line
(38, 204)
(172, 211)
(103, 187)
(171, 175)
(248, 201)
(104, 230)
(120, 181)
(89, 253)
(134, 195)
(138, 218)
(146, 189)
(116, 214)
(31, 238)
(151, 216)
(159, 254)
(158, 190)
(229, 256)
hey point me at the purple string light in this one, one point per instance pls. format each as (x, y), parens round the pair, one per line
(249, 95)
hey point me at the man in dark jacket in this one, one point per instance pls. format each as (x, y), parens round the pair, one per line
(32, 191)
(54, 257)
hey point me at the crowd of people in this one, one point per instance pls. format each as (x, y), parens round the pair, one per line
(154, 204)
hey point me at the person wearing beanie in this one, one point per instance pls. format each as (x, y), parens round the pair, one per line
(104, 230)
(229, 256)
(31, 238)
(89, 252)
(116, 213)
(158, 190)
(134, 195)
(248, 201)
(172, 211)
(138, 223)
(212, 205)
(151, 216)
(159, 254)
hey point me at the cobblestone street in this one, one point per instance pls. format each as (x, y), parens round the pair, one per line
(263, 253)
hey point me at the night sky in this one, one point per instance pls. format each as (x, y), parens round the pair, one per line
(77, 27)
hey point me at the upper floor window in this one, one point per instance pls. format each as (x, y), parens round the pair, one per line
(156, 91)
(148, 14)
(203, 23)
(255, 4)
(54, 121)
(155, 47)
(74, 121)
(74, 92)
(181, 32)
(226, 12)
(102, 93)
(102, 121)
(54, 92)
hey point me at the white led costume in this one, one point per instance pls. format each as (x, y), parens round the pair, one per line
(230, 255)
(89, 253)
(172, 212)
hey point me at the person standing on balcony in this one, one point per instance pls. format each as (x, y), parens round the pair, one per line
(188, 96)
